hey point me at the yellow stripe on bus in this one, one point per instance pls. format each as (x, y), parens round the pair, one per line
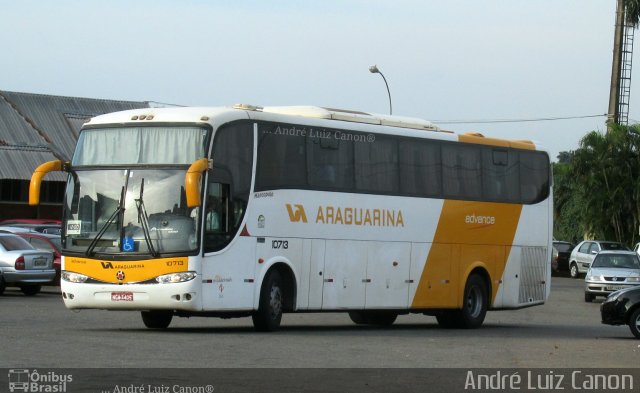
(469, 235)
(117, 272)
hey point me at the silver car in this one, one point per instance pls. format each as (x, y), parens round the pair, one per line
(584, 253)
(23, 266)
(611, 271)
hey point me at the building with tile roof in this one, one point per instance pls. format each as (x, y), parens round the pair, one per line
(36, 128)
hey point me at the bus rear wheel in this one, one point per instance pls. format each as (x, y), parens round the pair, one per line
(380, 318)
(157, 319)
(474, 307)
(476, 302)
(269, 313)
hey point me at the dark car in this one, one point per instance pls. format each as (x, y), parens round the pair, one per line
(623, 308)
(46, 242)
(560, 256)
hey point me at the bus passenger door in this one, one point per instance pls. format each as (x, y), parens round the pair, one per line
(316, 272)
(345, 268)
(388, 275)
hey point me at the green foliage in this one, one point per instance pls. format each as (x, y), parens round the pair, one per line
(597, 192)
(632, 12)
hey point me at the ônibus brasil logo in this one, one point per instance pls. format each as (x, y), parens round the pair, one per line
(22, 380)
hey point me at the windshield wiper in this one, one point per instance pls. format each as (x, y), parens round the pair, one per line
(104, 227)
(143, 219)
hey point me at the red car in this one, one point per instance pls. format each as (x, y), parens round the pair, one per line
(33, 221)
(45, 242)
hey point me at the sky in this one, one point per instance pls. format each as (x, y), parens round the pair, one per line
(458, 63)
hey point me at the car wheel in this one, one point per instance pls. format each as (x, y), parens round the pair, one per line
(157, 319)
(269, 313)
(634, 323)
(588, 297)
(3, 285)
(573, 270)
(30, 290)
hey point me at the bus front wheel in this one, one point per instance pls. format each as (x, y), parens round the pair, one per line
(269, 313)
(157, 319)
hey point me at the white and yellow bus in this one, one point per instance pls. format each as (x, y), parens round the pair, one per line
(251, 211)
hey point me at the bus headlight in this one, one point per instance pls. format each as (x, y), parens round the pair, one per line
(176, 277)
(74, 277)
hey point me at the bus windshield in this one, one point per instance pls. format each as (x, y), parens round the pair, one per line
(140, 211)
(140, 145)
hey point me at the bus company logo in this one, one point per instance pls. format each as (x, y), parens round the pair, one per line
(120, 275)
(349, 216)
(107, 265)
(298, 214)
(483, 221)
(21, 380)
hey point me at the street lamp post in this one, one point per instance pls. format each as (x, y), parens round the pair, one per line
(374, 70)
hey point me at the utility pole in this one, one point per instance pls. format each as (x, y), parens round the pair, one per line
(613, 115)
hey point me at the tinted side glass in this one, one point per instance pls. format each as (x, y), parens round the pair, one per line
(420, 168)
(461, 173)
(585, 248)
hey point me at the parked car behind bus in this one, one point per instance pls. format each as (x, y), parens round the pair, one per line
(582, 256)
(23, 266)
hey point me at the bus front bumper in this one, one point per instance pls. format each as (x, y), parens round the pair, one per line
(172, 296)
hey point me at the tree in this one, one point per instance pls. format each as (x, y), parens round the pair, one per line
(602, 176)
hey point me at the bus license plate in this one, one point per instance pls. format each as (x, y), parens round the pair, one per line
(121, 296)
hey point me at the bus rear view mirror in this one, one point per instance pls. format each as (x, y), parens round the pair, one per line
(38, 174)
(193, 181)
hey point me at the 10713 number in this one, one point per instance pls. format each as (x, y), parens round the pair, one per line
(280, 244)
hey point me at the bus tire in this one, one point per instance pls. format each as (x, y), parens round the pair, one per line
(634, 323)
(475, 303)
(157, 319)
(30, 290)
(380, 318)
(269, 313)
(358, 317)
(448, 319)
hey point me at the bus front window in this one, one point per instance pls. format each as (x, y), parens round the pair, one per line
(150, 217)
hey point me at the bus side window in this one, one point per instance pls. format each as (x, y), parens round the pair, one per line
(217, 212)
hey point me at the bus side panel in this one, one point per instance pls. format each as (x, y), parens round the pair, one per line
(438, 290)
(286, 251)
(527, 275)
(345, 267)
(229, 276)
(388, 268)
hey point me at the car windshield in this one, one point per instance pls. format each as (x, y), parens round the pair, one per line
(13, 243)
(617, 261)
(563, 247)
(613, 246)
